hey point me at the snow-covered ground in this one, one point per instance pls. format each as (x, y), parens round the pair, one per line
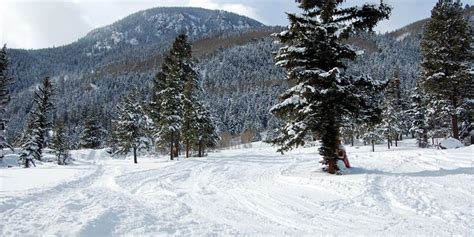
(404, 191)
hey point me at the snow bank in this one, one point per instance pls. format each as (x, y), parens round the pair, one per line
(404, 191)
(450, 143)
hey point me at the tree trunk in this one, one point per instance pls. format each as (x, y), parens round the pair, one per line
(171, 148)
(388, 143)
(135, 155)
(187, 148)
(454, 121)
(176, 146)
(396, 141)
(352, 139)
(373, 146)
(200, 149)
(331, 166)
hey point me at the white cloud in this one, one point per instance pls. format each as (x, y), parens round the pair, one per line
(240, 9)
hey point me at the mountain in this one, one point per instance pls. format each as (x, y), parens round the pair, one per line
(139, 36)
(416, 28)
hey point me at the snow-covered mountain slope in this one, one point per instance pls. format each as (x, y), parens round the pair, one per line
(162, 24)
(138, 36)
(405, 191)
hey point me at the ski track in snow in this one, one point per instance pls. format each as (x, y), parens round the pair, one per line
(255, 191)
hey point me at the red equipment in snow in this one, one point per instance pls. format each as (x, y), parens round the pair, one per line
(341, 152)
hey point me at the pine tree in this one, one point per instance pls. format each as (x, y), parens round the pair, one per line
(93, 135)
(60, 144)
(174, 71)
(205, 130)
(37, 136)
(314, 56)
(437, 118)
(371, 135)
(189, 133)
(446, 50)
(391, 125)
(132, 126)
(5, 82)
(419, 121)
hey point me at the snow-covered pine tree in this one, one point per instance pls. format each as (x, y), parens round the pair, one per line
(418, 114)
(39, 123)
(371, 135)
(205, 130)
(189, 131)
(437, 118)
(173, 74)
(362, 122)
(29, 150)
(446, 50)
(153, 107)
(60, 144)
(5, 81)
(132, 126)
(93, 135)
(314, 56)
(391, 125)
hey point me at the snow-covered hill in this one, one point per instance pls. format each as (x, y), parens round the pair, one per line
(405, 191)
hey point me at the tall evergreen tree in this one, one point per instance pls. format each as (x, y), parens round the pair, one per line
(5, 81)
(190, 133)
(314, 57)
(447, 49)
(60, 144)
(132, 126)
(391, 125)
(40, 122)
(93, 135)
(174, 71)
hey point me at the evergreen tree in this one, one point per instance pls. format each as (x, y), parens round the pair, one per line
(437, 118)
(314, 57)
(419, 121)
(189, 133)
(60, 144)
(5, 82)
(93, 135)
(40, 123)
(391, 125)
(446, 50)
(371, 135)
(132, 126)
(205, 130)
(174, 72)
(30, 151)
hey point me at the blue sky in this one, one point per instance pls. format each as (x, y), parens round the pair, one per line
(47, 23)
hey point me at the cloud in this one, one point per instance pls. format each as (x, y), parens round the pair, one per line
(34, 24)
(238, 8)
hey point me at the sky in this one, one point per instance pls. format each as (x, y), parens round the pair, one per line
(34, 24)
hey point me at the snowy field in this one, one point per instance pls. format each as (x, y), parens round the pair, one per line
(254, 191)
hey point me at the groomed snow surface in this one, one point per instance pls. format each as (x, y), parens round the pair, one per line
(404, 191)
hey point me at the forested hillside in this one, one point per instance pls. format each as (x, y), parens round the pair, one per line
(239, 85)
